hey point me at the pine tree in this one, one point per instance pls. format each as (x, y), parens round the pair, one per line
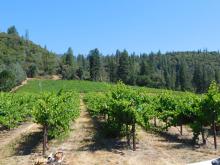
(69, 57)
(183, 77)
(94, 65)
(133, 71)
(79, 73)
(123, 67)
(12, 30)
(197, 80)
(143, 68)
(112, 69)
(217, 76)
(167, 79)
(177, 82)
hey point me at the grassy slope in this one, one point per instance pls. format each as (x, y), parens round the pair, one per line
(37, 86)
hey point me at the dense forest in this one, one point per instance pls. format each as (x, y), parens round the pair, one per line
(189, 70)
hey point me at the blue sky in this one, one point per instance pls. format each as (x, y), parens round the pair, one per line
(135, 25)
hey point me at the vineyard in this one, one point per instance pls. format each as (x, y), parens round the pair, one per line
(14, 109)
(54, 111)
(118, 114)
(124, 107)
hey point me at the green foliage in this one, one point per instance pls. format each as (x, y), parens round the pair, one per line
(67, 72)
(69, 57)
(7, 80)
(22, 57)
(186, 71)
(37, 86)
(79, 73)
(210, 104)
(189, 70)
(14, 109)
(123, 105)
(123, 67)
(18, 72)
(97, 103)
(32, 71)
(94, 64)
(118, 107)
(12, 30)
(56, 111)
(12, 75)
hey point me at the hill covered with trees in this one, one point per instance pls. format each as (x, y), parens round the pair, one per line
(189, 70)
(19, 58)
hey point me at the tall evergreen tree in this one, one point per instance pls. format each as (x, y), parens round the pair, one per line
(167, 79)
(217, 76)
(197, 80)
(112, 69)
(183, 77)
(69, 57)
(12, 30)
(79, 73)
(177, 82)
(94, 64)
(143, 68)
(123, 67)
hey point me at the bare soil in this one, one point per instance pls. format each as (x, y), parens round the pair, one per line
(10, 148)
(86, 146)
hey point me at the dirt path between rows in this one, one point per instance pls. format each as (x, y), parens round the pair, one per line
(10, 153)
(85, 146)
(7, 136)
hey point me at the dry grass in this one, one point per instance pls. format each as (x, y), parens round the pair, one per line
(86, 146)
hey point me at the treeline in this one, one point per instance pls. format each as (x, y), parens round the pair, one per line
(189, 70)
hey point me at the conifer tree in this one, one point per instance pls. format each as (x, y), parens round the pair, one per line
(12, 30)
(123, 67)
(69, 57)
(183, 77)
(94, 65)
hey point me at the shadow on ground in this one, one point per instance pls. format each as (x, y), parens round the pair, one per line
(28, 143)
(176, 140)
(100, 142)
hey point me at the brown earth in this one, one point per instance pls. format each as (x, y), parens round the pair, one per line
(10, 151)
(86, 146)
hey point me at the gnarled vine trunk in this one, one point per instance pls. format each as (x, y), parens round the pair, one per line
(133, 134)
(45, 140)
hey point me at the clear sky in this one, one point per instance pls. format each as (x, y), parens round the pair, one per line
(135, 25)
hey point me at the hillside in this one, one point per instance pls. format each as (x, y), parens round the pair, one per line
(185, 71)
(20, 58)
(39, 86)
